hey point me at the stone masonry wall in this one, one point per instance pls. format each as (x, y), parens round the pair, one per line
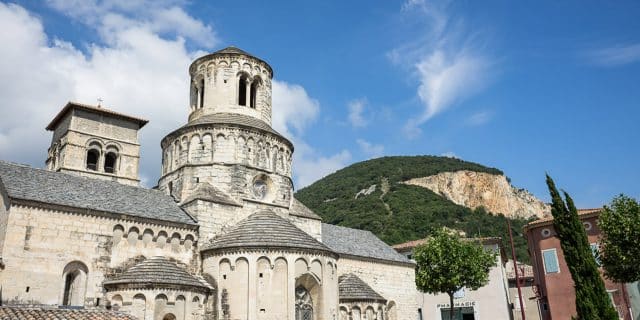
(4, 218)
(76, 134)
(488, 302)
(395, 283)
(151, 304)
(41, 242)
(261, 284)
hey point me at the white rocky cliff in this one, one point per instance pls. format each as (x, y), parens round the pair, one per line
(475, 189)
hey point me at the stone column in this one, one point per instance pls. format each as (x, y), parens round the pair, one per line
(252, 303)
(291, 263)
(248, 93)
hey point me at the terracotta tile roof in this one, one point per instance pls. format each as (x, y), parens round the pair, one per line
(54, 313)
(352, 288)
(583, 213)
(414, 243)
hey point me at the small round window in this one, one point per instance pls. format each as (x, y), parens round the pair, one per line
(262, 188)
(587, 226)
(546, 233)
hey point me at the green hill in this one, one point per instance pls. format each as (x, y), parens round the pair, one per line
(396, 212)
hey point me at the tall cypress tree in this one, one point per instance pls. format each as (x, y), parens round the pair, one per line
(592, 300)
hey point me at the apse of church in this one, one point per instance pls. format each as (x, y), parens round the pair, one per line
(220, 237)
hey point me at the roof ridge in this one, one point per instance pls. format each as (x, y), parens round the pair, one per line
(54, 188)
(160, 270)
(352, 287)
(47, 171)
(275, 233)
(71, 104)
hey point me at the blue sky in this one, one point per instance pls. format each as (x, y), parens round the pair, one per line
(528, 88)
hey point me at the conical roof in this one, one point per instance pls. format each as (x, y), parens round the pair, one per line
(233, 49)
(158, 271)
(265, 229)
(352, 288)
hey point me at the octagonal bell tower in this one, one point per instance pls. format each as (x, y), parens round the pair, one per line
(228, 153)
(230, 81)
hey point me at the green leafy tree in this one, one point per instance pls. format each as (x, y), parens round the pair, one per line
(620, 252)
(592, 300)
(446, 263)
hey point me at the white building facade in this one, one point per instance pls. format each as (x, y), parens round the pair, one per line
(489, 302)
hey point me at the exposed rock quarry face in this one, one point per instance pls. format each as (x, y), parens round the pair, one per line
(476, 189)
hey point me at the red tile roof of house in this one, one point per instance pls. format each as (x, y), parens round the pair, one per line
(54, 313)
(414, 243)
(583, 213)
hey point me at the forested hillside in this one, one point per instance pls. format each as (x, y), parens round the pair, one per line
(397, 212)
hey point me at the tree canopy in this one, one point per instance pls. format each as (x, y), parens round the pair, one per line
(592, 300)
(619, 249)
(446, 263)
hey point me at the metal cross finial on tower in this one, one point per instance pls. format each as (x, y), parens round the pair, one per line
(99, 102)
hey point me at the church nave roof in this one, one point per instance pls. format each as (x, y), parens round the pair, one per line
(359, 243)
(57, 188)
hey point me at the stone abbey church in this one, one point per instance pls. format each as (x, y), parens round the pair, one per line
(220, 237)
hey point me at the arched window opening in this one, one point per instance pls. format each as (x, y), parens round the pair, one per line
(242, 91)
(110, 162)
(253, 94)
(201, 93)
(304, 304)
(75, 282)
(92, 159)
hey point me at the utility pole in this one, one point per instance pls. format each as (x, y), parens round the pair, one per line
(515, 268)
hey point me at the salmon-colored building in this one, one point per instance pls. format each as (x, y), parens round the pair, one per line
(553, 280)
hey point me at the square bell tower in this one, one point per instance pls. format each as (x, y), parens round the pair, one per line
(95, 142)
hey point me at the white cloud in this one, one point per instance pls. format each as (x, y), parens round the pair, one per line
(165, 18)
(140, 73)
(479, 118)
(617, 55)
(449, 68)
(369, 149)
(293, 111)
(138, 70)
(356, 110)
(293, 108)
(446, 79)
(310, 168)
